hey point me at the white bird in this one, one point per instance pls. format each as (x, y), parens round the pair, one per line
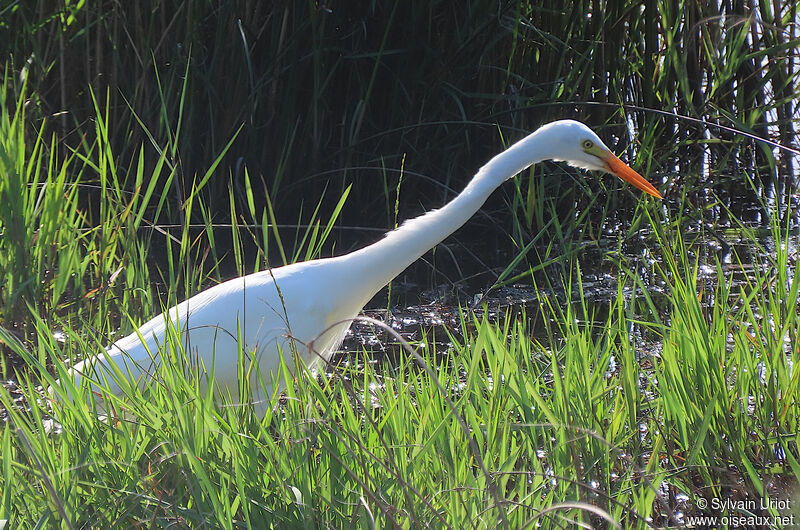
(307, 307)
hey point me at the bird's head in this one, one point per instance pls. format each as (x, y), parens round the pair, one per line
(577, 145)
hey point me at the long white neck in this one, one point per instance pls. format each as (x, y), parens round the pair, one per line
(377, 264)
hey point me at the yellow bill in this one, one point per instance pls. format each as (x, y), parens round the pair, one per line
(619, 168)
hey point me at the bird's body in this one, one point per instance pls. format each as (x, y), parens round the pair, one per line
(307, 307)
(270, 310)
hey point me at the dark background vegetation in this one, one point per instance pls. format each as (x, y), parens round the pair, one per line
(333, 93)
(404, 100)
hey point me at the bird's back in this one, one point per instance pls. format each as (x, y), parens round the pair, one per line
(275, 312)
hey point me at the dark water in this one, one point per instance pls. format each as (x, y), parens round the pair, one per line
(727, 227)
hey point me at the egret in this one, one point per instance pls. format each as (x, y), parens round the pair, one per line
(307, 307)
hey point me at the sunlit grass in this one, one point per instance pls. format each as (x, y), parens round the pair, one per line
(590, 424)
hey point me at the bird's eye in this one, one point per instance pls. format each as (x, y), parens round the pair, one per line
(588, 144)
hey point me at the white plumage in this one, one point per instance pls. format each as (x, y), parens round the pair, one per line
(312, 303)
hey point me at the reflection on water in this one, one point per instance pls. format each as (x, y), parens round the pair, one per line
(724, 234)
